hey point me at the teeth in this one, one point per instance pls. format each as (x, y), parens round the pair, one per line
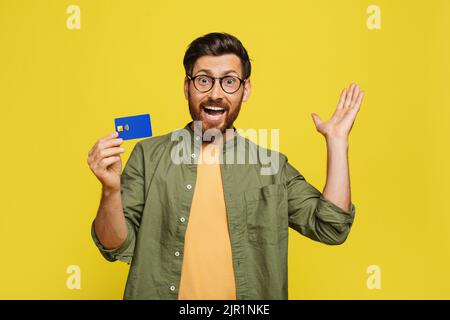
(214, 108)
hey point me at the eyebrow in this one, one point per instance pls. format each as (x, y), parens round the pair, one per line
(209, 72)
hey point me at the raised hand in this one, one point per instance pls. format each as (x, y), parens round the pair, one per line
(341, 122)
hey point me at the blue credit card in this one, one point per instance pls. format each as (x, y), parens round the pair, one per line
(133, 127)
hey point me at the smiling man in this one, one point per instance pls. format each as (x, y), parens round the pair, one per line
(217, 106)
(209, 229)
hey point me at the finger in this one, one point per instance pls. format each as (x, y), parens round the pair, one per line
(109, 136)
(101, 140)
(358, 101)
(349, 96)
(316, 119)
(109, 152)
(107, 162)
(105, 145)
(355, 96)
(110, 143)
(342, 99)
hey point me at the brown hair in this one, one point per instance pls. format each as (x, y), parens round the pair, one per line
(216, 44)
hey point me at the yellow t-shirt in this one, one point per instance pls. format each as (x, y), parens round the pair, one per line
(207, 271)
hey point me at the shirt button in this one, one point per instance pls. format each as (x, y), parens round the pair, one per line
(177, 253)
(182, 219)
(197, 138)
(172, 288)
(189, 187)
(193, 155)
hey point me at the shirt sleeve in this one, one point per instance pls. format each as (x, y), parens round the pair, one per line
(133, 200)
(312, 215)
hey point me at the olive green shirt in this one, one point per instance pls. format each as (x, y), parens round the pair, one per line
(157, 191)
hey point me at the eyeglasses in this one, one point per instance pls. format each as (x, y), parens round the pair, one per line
(204, 83)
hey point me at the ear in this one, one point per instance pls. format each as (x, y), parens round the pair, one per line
(247, 90)
(186, 88)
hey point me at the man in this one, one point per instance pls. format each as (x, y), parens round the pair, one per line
(202, 229)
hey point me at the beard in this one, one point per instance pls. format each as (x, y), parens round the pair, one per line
(230, 114)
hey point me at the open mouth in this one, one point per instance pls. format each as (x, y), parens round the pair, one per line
(213, 113)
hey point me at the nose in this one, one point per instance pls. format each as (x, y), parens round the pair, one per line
(216, 91)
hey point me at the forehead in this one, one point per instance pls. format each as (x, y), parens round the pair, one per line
(218, 65)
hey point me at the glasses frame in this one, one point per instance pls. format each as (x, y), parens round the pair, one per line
(241, 81)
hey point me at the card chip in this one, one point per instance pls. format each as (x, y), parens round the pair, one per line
(119, 128)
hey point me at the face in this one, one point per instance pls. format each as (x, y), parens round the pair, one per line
(216, 108)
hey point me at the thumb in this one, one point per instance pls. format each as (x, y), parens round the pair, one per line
(316, 119)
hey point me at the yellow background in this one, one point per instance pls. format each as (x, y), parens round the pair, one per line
(60, 90)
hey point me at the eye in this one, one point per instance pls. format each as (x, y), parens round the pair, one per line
(230, 81)
(203, 80)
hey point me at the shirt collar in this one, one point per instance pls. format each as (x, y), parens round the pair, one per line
(196, 137)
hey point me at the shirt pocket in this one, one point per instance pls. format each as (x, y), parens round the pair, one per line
(266, 214)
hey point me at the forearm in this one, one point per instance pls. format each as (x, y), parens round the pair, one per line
(337, 187)
(110, 225)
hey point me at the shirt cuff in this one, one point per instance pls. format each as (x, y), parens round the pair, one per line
(115, 253)
(330, 212)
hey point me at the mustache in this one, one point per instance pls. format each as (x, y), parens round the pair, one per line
(215, 103)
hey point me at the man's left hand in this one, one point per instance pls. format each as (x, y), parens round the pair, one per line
(341, 122)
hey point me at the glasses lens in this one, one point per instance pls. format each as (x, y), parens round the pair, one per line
(203, 83)
(230, 84)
